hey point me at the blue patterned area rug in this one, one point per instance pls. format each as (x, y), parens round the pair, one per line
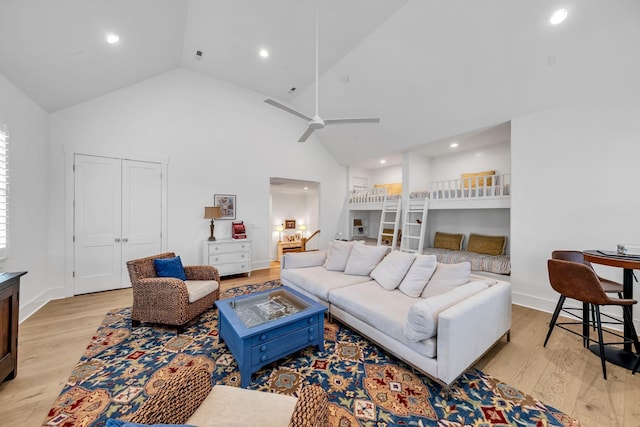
(366, 386)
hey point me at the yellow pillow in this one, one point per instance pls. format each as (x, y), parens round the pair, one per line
(470, 178)
(489, 245)
(395, 188)
(448, 241)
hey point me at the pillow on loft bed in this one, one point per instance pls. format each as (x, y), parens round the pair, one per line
(469, 179)
(489, 245)
(448, 241)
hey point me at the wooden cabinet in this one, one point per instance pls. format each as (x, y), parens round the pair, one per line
(229, 256)
(287, 247)
(9, 304)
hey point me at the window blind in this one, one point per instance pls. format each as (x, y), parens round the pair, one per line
(4, 190)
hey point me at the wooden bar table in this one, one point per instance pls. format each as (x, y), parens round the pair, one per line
(624, 357)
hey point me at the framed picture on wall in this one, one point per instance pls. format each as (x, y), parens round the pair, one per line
(227, 203)
(289, 224)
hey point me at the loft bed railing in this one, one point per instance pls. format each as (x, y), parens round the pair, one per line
(371, 195)
(473, 188)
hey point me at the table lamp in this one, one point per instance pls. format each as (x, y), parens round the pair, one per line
(212, 212)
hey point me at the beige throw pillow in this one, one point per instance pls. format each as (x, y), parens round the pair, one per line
(418, 275)
(364, 258)
(447, 277)
(338, 255)
(392, 269)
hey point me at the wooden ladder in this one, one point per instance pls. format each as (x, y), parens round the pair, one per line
(415, 225)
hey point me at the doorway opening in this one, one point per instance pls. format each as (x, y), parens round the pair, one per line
(294, 215)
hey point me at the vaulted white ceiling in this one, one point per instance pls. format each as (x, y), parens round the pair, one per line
(430, 69)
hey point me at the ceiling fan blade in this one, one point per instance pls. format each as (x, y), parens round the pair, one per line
(360, 120)
(306, 134)
(287, 109)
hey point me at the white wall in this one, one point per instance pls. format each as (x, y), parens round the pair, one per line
(301, 207)
(494, 157)
(28, 245)
(388, 175)
(575, 186)
(218, 138)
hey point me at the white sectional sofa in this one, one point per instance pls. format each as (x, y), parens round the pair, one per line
(439, 318)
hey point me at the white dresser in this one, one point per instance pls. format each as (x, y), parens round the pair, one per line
(229, 256)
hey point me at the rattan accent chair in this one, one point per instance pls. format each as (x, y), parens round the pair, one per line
(165, 300)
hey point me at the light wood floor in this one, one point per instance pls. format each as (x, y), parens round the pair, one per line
(564, 374)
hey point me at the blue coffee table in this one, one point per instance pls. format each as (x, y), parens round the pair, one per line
(263, 327)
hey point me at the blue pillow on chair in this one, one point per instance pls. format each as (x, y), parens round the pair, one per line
(170, 267)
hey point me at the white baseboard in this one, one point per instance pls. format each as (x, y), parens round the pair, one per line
(30, 307)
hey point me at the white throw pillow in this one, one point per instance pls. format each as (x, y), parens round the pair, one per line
(392, 269)
(447, 277)
(418, 275)
(422, 320)
(338, 255)
(364, 258)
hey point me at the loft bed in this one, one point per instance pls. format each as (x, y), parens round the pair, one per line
(370, 198)
(471, 191)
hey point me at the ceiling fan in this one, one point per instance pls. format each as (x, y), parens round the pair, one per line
(317, 122)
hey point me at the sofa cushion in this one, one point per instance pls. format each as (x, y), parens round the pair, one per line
(233, 406)
(422, 320)
(392, 269)
(338, 255)
(418, 275)
(304, 259)
(447, 277)
(170, 267)
(318, 281)
(364, 258)
(200, 288)
(383, 310)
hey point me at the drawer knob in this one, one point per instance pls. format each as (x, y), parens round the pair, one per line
(311, 319)
(263, 337)
(263, 348)
(311, 330)
(310, 339)
(263, 358)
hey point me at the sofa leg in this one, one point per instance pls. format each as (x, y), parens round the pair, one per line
(509, 335)
(135, 323)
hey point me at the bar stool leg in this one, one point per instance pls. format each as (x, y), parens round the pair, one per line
(600, 340)
(554, 318)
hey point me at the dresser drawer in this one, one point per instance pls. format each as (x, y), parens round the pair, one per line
(229, 247)
(232, 268)
(311, 322)
(228, 257)
(284, 345)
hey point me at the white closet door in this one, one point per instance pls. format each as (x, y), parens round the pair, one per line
(141, 212)
(97, 224)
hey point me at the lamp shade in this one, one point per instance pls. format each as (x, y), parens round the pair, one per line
(212, 212)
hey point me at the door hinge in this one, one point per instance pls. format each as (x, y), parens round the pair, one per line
(74, 239)
(73, 167)
(73, 274)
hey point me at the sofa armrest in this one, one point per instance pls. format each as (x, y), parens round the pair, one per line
(312, 408)
(303, 259)
(176, 399)
(468, 329)
(161, 289)
(201, 272)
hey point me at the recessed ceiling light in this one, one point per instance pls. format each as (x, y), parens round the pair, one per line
(264, 53)
(558, 16)
(453, 145)
(113, 38)
(305, 188)
(383, 161)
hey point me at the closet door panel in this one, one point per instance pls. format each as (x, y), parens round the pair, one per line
(97, 224)
(141, 211)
